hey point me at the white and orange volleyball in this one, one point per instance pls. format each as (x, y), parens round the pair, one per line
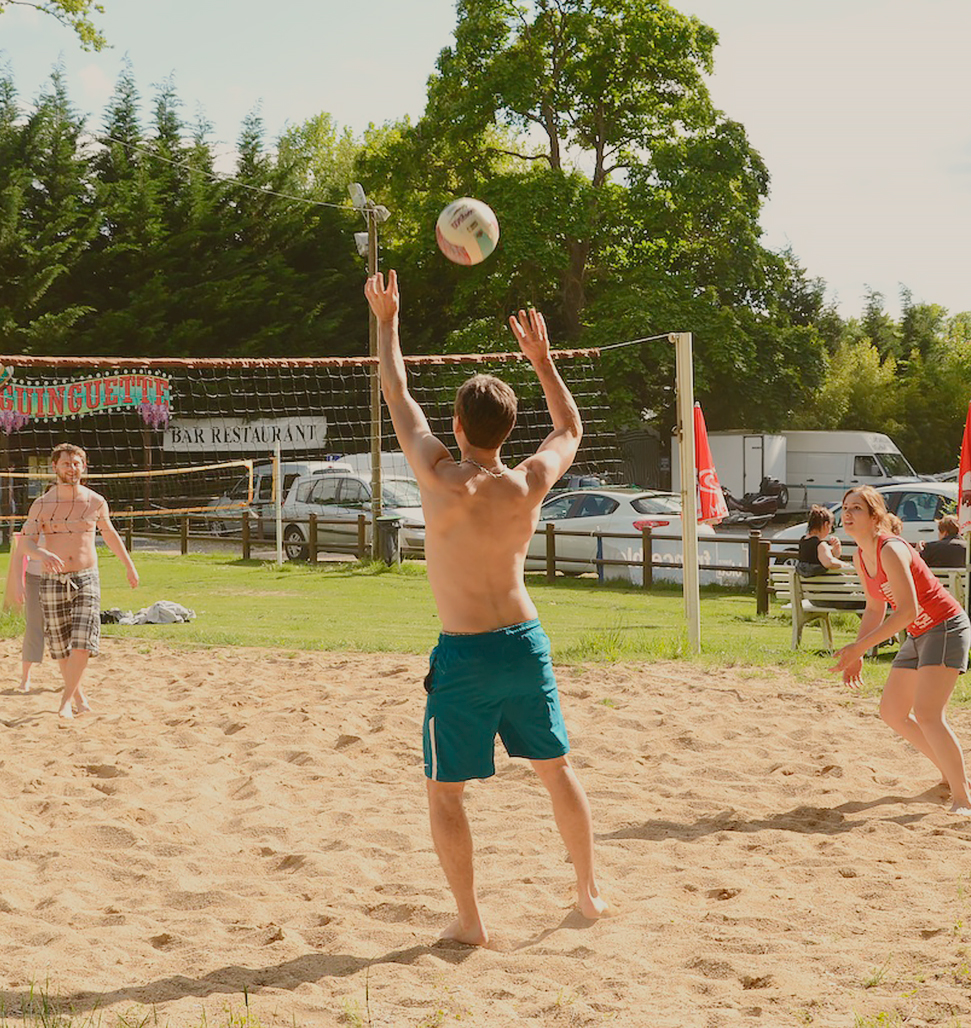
(467, 231)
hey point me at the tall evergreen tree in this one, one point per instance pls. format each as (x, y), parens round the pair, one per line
(49, 218)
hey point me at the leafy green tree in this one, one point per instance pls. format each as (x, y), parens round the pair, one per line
(319, 157)
(860, 390)
(591, 83)
(628, 204)
(75, 14)
(935, 396)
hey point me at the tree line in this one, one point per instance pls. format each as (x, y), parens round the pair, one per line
(628, 203)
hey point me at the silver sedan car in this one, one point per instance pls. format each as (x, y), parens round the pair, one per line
(338, 499)
(917, 504)
(617, 510)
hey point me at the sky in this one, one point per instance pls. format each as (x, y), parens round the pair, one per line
(856, 106)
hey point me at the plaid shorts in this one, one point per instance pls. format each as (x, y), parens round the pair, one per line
(72, 611)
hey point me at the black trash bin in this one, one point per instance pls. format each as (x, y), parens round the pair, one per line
(389, 546)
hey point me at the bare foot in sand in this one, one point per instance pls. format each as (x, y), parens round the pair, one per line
(66, 713)
(961, 809)
(82, 708)
(25, 684)
(593, 907)
(472, 935)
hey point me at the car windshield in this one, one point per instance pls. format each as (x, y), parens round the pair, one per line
(657, 505)
(400, 492)
(896, 464)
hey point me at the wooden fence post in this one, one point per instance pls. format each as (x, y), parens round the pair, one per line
(762, 579)
(312, 538)
(184, 532)
(362, 549)
(550, 551)
(754, 536)
(129, 529)
(647, 558)
(245, 526)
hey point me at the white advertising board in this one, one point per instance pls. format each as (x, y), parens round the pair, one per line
(238, 436)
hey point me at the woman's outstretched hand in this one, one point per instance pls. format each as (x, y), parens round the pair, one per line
(849, 661)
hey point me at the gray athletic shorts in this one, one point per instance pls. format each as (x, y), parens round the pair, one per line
(946, 644)
(32, 651)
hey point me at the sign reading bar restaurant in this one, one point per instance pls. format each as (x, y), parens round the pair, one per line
(73, 398)
(234, 435)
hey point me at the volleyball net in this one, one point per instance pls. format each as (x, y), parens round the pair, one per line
(169, 436)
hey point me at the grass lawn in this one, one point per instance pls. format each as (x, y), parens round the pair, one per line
(369, 607)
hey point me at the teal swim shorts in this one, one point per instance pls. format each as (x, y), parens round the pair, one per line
(486, 684)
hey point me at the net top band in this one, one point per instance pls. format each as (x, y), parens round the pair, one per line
(31, 361)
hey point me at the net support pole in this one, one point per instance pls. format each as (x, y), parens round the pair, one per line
(685, 388)
(278, 502)
(372, 265)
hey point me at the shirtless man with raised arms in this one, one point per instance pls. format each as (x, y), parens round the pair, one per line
(490, 672)
(70, 591)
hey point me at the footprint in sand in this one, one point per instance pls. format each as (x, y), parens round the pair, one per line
(711, 968)
(722, 894)
(104, 771)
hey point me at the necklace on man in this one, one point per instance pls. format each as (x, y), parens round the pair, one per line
(488, 471)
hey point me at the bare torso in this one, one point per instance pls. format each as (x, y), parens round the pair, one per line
(68, 517)
(477, 531)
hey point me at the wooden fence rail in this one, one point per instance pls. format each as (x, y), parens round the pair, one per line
(193, 527)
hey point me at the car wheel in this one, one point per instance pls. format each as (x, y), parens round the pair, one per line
(294, 545)
(783, 497)
(218, 528)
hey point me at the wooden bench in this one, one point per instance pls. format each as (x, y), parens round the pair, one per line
(812, 600)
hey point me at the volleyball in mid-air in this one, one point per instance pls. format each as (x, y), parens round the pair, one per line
(467, 231)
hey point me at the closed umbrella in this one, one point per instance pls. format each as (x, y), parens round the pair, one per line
(964, 479)
(711, 500)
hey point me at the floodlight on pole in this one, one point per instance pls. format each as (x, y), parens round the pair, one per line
(358, 197)
(367, 246)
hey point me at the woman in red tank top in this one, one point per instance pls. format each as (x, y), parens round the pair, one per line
(935, 651)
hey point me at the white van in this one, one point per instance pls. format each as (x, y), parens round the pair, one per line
(821, 466)
(225, 520)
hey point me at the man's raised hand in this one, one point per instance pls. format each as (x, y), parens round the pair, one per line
(529, 328)
(384, 299)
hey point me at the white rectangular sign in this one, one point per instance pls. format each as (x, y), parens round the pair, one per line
(235, 435)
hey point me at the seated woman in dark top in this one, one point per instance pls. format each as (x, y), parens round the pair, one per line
(949, 549)
(819, 549)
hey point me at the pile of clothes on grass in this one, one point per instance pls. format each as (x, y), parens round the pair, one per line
(162, 612)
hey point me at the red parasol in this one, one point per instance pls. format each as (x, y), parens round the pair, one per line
(711, 500)
(964, 479)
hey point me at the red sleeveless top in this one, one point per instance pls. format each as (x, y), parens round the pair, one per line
(934, 603)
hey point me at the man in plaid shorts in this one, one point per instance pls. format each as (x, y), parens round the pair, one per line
(67, 515)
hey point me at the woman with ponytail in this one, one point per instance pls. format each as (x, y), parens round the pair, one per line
(935, 650)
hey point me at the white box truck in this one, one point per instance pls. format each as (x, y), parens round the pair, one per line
(742, 459)
(816, 467)
(821, 466)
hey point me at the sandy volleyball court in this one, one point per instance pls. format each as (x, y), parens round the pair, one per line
(249, 822)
